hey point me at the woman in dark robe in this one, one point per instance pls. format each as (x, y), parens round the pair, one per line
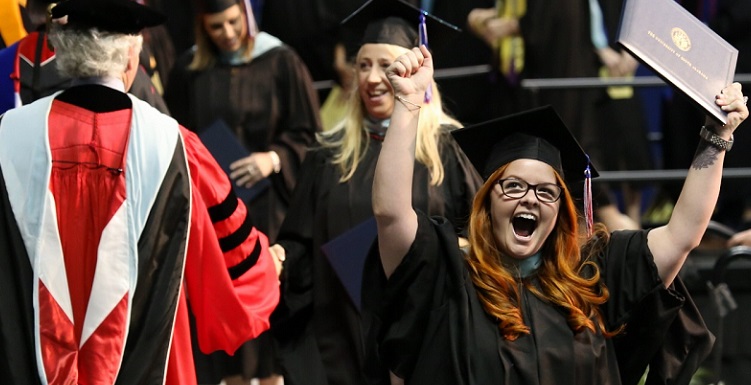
(532, 300)
(318, 323)
(261, 89)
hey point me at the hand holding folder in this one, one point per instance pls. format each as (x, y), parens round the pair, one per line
(224, 146)
(681, 49)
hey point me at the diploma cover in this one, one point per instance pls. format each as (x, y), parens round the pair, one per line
(347, 254)
(681, 49)
(224, 146)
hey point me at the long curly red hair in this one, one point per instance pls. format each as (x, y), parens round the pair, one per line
(561, 281)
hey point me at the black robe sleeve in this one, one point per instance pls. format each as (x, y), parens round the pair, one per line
(664, 329)
(299, 118)
(462, 181)
(296, 237)
(399, 309)
(144, 89)
(177, 95)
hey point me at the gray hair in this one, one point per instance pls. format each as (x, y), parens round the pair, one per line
(92, 53)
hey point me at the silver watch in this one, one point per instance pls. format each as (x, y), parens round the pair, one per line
(707, 134)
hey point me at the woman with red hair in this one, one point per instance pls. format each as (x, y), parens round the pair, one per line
(534, 299)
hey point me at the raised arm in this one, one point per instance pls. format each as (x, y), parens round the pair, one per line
(410, 75)
(670, 244)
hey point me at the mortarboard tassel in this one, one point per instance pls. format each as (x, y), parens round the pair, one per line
(588, 214)
(252, 27)
(423, 40)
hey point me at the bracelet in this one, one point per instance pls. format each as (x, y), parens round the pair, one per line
(715, 140)
(407, 103)
(275, 161)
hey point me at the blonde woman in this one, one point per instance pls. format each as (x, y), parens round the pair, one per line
(318, 325)
(260, 88)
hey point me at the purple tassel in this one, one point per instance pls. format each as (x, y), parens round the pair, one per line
(423, 40)
(588, 212)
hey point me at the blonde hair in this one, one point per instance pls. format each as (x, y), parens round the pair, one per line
(348, 139)
(560, 274)
(91, 52)
(206, 52)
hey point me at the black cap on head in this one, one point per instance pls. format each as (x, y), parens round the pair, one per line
(393, 22)
(535, 134)
(119, 16)
(215, 6)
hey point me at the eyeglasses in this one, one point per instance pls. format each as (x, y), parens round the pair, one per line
(517, 188)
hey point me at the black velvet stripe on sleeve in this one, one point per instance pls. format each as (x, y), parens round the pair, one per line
(238, 270)
(225, 209)
(238, 236)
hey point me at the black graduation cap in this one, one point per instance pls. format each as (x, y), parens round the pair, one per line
(119, 16)
(393, 22)
(534, 134)
(215, 6)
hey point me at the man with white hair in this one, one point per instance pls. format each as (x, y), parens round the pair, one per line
(113, 220)
(28, 67)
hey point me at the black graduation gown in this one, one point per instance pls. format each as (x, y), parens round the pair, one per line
(464, 50)
(316, 323)
(558, 44)
(621, 123)
(427, 325)
(315, 32)
(269, 103)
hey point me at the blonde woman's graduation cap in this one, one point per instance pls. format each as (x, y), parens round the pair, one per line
(393, 22)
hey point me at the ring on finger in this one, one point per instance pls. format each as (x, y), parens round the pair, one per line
(745, 100)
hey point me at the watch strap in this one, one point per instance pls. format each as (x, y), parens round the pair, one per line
(715, 140)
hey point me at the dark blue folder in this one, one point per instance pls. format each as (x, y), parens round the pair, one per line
(224, 146)
(7, 85)
(347, 253)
